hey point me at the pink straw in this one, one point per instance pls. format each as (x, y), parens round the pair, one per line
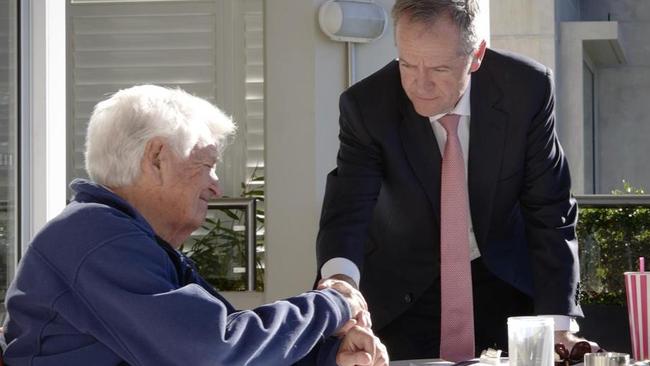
(641, 264)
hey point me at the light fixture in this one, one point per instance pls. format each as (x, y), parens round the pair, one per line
(358, 21)
(352, 21)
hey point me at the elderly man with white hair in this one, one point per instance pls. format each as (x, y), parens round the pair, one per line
(104, 283)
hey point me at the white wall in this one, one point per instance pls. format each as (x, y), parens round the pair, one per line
(623, 95)
(305, 74)
(565, 10)
(620, 99)
(526, 27)
(289, 181)
(623, 106)
(602, 38)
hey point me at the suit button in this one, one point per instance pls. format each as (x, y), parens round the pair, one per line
(408, 298)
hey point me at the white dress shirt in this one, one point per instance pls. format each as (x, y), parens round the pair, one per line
(345, 266)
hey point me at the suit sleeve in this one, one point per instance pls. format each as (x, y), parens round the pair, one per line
(139, 313)
(550, 214)
(352, 188)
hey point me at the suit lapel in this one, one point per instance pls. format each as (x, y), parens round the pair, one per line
(488, 131)
(422, 153)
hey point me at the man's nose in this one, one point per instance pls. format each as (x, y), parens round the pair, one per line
(422, 80)
(215, 187)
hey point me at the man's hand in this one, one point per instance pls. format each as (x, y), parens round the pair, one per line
(358, 306)
(569, 340)
(360, 347)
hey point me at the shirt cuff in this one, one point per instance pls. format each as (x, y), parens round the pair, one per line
(340, 265)
(564, 322)
(345, 312)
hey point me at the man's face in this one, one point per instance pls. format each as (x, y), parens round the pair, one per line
(190, 184)
(433, 67)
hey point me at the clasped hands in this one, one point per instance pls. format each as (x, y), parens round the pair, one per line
(359, 346)
(570, 349)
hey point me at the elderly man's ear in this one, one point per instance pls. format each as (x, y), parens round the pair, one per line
(152, 159)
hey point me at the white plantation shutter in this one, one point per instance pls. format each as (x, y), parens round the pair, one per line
(199, 46)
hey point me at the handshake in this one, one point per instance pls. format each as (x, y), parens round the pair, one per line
(359, 346)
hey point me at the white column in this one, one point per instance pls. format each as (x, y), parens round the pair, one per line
(570, 106)
(290, 146)
(43, 120)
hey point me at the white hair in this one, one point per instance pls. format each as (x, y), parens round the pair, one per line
(121, 126)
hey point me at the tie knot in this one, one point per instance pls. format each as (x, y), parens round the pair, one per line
(450, 123)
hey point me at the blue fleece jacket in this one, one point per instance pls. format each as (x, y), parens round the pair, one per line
(97, 288)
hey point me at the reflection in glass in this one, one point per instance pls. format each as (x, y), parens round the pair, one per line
(8, 123)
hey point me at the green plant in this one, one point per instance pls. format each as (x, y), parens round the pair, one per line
(220, 252)
(611, 240)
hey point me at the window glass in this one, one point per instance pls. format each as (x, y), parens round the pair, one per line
(8, 142)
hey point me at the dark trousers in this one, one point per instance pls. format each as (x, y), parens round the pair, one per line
(415, 334)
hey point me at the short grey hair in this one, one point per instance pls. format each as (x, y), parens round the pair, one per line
(462, 13)
(121, 126)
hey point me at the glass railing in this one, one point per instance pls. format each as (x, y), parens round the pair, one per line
(613, 232)
(228, 248)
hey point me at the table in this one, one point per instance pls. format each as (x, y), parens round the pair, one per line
(429, 362)
(439, 362)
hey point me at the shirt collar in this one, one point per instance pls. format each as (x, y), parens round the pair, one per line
(462, 108)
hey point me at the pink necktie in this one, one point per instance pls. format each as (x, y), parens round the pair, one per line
(456, 303)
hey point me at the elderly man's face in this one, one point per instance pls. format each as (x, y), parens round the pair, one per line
(433, 68)
(190, 185)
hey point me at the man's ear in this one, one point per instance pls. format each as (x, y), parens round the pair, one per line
(151, 163)
(477, 57)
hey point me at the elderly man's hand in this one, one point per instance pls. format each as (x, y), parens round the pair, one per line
(358, 306)
(360, 347)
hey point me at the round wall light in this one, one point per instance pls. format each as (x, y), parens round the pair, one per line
(358, 21)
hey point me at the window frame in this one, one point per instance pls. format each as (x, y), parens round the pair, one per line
(42, 116)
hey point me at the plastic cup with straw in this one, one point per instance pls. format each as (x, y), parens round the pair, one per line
(637, 288)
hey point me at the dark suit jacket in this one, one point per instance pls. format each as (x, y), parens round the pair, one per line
(382, 202)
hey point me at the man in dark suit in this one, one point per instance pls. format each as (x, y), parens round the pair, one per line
(381, 220)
